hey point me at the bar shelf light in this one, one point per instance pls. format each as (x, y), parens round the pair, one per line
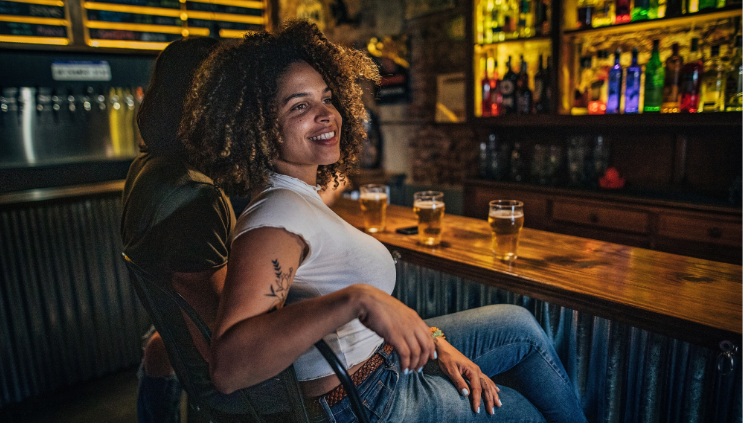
(48, 24)
(155, 35)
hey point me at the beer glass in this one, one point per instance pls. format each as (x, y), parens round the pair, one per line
(506, 221)
(373, 198)
(429, 208)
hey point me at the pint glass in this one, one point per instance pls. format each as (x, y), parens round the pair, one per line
(373, 199)
(429, 208)
(506, 221)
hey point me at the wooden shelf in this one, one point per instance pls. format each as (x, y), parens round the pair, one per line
(658, 23)
(676, 121)
(517, 40)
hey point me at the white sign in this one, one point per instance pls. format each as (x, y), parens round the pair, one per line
(81, 71)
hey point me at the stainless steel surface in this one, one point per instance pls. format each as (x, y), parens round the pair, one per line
(53, 125)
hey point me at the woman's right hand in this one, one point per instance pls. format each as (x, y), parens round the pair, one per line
(398, 324)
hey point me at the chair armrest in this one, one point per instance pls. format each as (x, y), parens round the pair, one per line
(346, 381)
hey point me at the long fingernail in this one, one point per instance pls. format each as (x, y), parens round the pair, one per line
(477, 410)
(464, 392)
(420, 369)
(406, 372)
(492, 411)
(499, 403)
(434, 355)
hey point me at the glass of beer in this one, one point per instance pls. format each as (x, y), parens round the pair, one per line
(373, 198)
(429, 208)
(506, 221)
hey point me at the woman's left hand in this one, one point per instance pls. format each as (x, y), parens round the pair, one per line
(457, 366)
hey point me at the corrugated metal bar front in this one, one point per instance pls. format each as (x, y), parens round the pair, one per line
(67, 311)
(621, 373)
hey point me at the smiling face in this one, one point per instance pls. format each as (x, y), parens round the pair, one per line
(310, 124)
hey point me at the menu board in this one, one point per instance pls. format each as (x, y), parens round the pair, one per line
(152, 24)
(136, 24)
(35, 22)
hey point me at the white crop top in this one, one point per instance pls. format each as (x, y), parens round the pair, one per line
(340, 255)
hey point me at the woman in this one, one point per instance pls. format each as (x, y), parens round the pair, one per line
(281, 115)
(162, 197)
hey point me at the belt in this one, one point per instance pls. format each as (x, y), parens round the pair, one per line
(338, 393)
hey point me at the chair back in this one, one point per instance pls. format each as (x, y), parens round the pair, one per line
(277, 399)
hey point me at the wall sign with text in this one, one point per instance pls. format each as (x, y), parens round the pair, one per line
(35, 22)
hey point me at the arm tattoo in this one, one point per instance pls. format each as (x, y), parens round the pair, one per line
(280, 289)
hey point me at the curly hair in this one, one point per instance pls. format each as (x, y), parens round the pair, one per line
(230, 127)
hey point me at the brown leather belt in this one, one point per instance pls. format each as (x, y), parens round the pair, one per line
(338, 393)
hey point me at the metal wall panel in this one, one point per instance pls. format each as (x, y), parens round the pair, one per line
(621, 374)
(67, 311)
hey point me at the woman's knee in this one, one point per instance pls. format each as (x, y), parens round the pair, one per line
(521, 320)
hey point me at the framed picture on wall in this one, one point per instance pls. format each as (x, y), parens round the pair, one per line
(450, 105)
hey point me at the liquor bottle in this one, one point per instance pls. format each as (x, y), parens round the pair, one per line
(581, 95)
(633, 85)
(671, 92)
(706, 4)
(480, 16)
(539, 87)
(523, 93)
(511, 20)
(713, 84)
(508, 89)
(622, 11)
(541, 17)
(585, 14)
(487, 88)
(496, 95)
(526, 20)
(598, 92)
(604, 13)
(674, 8)
(733, 94)
(614, 87)
(690, 77)
(641, 9)
(654, 82)
(548, 97)
(490, 22)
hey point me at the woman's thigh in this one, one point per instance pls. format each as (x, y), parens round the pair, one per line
(498, 337)
(423, 397)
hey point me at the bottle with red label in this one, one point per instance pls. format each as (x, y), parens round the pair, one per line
(690, 76)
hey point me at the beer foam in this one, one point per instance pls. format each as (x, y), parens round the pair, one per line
(429, 204)
(373, 196)
(506, 214)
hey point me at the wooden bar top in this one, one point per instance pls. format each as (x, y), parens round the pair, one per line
(686, 298)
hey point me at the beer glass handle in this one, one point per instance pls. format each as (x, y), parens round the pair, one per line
(396, 256)
(725, 360)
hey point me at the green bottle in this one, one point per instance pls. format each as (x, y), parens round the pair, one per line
(654, 83)
(706, 4)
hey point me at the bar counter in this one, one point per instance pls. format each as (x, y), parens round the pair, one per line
(685, 298)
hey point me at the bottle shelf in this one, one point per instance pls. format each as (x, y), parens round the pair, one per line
(672, 121)
(515, 40)
(698, 17)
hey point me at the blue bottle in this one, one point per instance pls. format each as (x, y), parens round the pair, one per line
(615, 86)
(633, 84)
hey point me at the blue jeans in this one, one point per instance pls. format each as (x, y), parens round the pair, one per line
(158, 398)
(506, 342)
